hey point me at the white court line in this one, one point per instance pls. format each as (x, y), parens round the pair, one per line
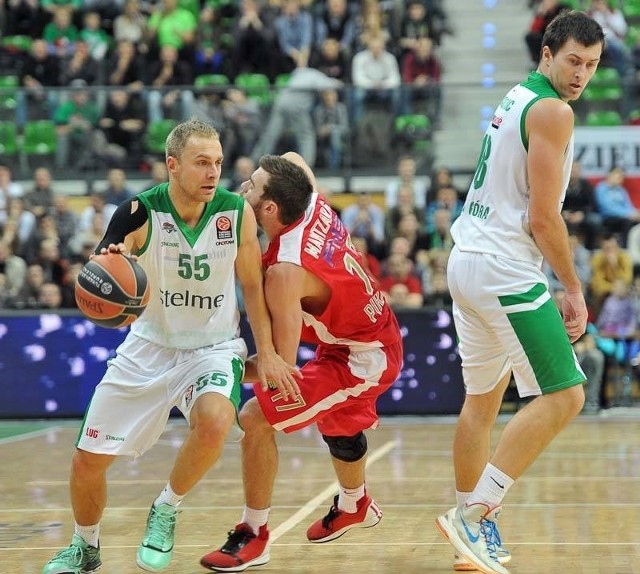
(422, 505)
(412, 544)
(27, 435)
(219, 480)
(313, 504)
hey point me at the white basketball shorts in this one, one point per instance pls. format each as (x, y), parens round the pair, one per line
(506, 320)
(131, 405)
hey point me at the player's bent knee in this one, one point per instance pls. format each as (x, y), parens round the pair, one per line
(251, 416)
(347, 448)
(89, 463)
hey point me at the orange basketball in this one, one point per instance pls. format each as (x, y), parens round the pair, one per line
(112, 290)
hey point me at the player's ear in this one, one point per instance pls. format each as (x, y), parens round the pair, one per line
(270, 207)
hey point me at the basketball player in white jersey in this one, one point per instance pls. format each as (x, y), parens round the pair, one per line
(505, 317)
(193, 239)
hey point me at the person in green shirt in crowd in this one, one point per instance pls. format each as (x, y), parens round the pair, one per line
(172, 26)
(76, 120)
(60, 34)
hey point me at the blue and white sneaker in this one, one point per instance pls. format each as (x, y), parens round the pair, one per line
(473, 532)
(504, 556)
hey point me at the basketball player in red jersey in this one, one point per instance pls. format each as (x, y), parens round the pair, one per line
(318, 292)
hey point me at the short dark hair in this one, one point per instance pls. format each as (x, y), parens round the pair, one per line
(572, 25)
(288, 186)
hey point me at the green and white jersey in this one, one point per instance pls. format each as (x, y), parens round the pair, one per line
(191, 272)
(495, 218)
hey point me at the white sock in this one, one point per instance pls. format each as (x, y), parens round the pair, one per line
(255, 518)
(348, 498)
(492, 487)
(90, 534)
(461, 498)
(167, 496)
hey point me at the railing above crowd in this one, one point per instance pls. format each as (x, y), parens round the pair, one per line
(81, 130)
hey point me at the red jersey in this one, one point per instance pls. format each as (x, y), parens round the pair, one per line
(357, 314)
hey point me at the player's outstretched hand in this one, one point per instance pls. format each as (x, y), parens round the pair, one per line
(574, 314)
(275, 372)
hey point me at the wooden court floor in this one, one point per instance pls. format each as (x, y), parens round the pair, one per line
(576, 511)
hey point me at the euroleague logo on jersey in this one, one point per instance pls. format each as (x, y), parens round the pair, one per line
(224, 230)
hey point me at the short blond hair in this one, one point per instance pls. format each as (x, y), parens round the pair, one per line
(179, 136)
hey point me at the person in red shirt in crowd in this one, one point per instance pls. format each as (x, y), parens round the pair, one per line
(318, 292)
(546, 11)
(421, 72)
(401, 286)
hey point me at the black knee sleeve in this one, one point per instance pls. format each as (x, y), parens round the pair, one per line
(347, 448)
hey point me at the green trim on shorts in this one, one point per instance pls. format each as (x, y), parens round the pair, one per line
(544, 340)
(529, 297)
(84, 420)
(237, 366)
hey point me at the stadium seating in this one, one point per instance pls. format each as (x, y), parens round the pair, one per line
(39, 138)
(157, 132)
(8, 139)
(256, 86)
(603, 118)
(8, 91)
(413, 132)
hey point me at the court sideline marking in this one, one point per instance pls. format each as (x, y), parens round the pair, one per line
(317, 500)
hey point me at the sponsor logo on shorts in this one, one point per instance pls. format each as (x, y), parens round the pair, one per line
(188, 396)
(92, 433)
(114, 438)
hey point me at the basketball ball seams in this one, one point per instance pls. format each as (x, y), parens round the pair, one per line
(112, 290)
(92, 273)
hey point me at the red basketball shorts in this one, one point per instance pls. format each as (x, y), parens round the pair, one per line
(338, 392)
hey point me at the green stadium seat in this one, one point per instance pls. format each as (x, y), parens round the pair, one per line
(40, 138)
(17, 43)
(8, 92)
(156, 136)
(631, 39)
(413, 132)
(605, 78)
(256, 86)
(602, 93)
(603, 118)
(8, 139)
(219, 82)
(631, 11)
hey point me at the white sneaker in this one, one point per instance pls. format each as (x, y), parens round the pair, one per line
(504, 556)
(473, 533)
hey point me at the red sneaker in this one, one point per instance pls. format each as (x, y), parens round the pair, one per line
(337, 521)
(241, 550)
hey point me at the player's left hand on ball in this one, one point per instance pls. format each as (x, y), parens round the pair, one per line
(274, 371)
(118, 248)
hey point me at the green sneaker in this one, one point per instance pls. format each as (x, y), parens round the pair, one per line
(78, 558)
(156, 550)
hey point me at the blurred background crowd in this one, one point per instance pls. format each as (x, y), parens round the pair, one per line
(89, 90)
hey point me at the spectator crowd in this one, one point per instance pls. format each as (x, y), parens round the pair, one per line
(106, 72)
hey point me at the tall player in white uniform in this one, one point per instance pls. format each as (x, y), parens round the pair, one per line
(193, 239)
(504, 315)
